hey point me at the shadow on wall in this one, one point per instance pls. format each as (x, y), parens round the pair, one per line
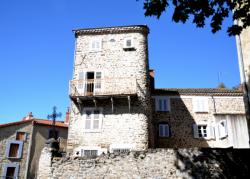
(214, 163)
(180, 122)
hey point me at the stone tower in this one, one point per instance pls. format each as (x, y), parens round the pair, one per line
(109, 92)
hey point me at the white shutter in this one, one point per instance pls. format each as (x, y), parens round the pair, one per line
(7, 151)
(196, 104)
(222, 126)
(98, 81)
(210, 132)
(195, 131)
(20, 149)
(200, 104)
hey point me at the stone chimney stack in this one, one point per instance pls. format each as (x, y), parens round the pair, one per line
(67, 116)
(28, 117)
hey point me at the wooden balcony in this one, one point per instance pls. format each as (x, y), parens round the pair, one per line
(102, 87)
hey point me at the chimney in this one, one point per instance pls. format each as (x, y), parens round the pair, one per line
(28, 117)
(67, 117)
(152, 79)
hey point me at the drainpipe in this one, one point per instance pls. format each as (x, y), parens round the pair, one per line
(29, 151)
(243, 81)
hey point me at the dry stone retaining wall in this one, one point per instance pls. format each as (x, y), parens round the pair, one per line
(157, 164)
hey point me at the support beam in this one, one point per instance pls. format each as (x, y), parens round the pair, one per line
(112, 103)
(129, 105)
(94, 100)
(79, 104)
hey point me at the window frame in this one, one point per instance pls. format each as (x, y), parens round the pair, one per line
(166, 133)
(7, 165)
(210, 131)
(92, 119)
(157, 104)
(125, 46)
(20, 149)
(95, 49)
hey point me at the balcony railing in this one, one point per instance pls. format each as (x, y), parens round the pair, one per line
(102, 87)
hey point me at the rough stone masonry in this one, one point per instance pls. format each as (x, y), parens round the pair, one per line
(154, 163)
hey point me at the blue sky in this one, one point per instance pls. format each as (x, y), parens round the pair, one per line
(37, 46)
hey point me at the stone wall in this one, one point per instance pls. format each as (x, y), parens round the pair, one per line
(243, 45)
(182, 116)
(157, 163)
(120, 126)
(8, 134)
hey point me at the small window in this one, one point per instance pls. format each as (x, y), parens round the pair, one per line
(96, 45)
(14, 149)
(10, 171)
(200, 104)
(122, 151)
(203, 131)
(162, 103)
(89, 153)
(21, 136)
(164, 130)
(128, 43)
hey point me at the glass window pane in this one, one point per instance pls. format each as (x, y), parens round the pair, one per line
(96, 114)
(96, 124)
(88, 114)
(87, 124)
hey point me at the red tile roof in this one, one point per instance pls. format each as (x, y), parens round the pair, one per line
(197, 91)
(36, 121)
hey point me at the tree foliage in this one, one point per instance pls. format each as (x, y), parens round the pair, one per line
(201, 10)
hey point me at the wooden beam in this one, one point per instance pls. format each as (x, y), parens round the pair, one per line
(112, 103)
(129, 105)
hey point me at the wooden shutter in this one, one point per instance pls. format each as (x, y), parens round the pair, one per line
(98, 77)
(195, 131)
(21, 136)
(165, 108)
(222, 127)
(161, 129)
(210, 132)
(166, 131)
(200, 104)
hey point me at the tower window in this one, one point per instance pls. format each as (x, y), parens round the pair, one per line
(96, 45)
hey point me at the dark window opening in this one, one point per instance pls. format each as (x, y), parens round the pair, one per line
(10, 173)
(13, 152)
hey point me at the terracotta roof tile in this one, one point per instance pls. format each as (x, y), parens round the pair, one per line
(197, 91)
(36, 121)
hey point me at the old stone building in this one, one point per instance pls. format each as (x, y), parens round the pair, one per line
(110, 91)
(115, 106)
(21, 144)
(185, 118)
